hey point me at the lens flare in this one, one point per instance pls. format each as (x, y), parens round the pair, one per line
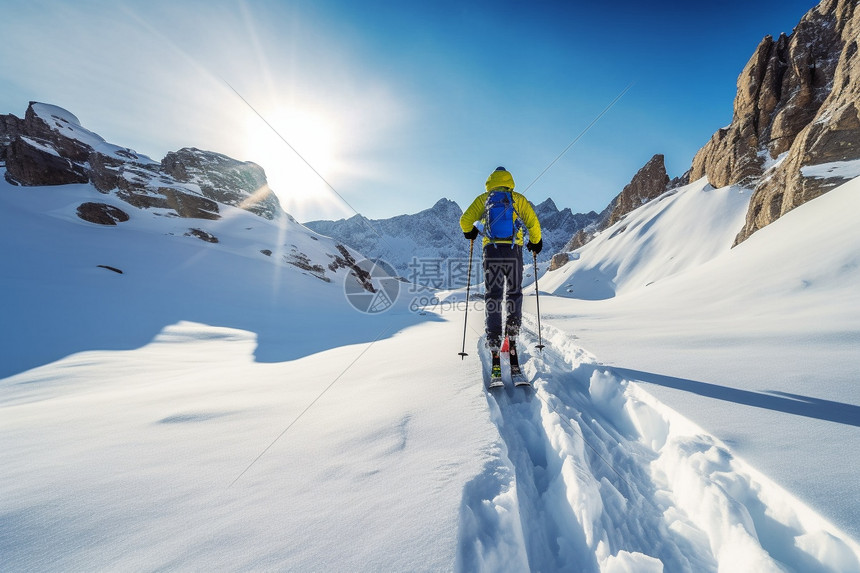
(290, 177)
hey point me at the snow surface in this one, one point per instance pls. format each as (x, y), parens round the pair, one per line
(758, 345)
(681, 229)
(834, 169)
(215, 408)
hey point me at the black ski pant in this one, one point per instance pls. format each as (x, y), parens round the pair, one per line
(503, 278)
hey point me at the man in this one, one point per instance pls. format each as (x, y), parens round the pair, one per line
(503, 213)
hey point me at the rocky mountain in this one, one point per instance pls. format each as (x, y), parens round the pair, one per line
(50, 147)
(422, 246)
(796, 112)
(648, 183)
(795, 130)
(419, 246)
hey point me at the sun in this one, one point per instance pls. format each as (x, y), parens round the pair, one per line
(298, 150)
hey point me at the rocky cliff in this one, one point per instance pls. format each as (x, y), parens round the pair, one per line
(49, 146)
(648, 183)
(796, 107)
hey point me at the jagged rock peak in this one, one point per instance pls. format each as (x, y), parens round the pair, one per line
(223, 179)
(446, 208)
(816, 120)
(649, 182)
(547, 206)
(444, 202)
(51, 147)
(779, 92)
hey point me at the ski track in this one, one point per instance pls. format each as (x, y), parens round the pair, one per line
(594, 474)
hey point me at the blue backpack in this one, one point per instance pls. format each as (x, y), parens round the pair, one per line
(501, 221)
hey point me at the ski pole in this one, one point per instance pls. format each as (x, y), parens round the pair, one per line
(463, 354)
(540, 345)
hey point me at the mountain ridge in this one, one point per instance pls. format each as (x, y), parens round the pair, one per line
(434, 234)
(49, 147)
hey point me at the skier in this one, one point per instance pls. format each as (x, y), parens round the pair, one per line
(503, 213)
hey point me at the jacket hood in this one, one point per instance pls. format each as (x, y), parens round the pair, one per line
(500, 178)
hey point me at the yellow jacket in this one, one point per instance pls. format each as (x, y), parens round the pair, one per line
(524, 211)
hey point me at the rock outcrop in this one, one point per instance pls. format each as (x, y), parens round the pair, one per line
(50, 147)
(648, 183)
(101, 213)
(223, 179)
(796, 102)
(558, 260)
(831, 134)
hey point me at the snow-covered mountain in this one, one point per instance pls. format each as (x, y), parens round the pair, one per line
(412, 244)
(185, 194)
(416, 244)
(558, 226)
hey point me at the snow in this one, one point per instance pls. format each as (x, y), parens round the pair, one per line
(598, 475)
(41, 147)
(63, 121)
(770, 163)
(757, 345)
(131, 403)
(834, 169)
(216, 408)
(683, 228)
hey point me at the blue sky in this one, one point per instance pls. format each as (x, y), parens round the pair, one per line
(396, 104)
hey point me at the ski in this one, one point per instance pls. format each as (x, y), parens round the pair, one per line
(517, 376)
(496, 383)
(519, 379)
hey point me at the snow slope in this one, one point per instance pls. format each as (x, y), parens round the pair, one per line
(134, 405)
(65, 302)
(757, 344)
(681, 229)
(216, 408)
(600, 476)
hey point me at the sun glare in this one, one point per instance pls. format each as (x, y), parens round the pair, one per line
(312, 137)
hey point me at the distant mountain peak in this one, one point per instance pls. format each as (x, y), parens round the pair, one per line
(444, 202)
(433, 236)
(547, 205)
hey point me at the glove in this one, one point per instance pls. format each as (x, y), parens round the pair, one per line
(471, 235)
(535, 247)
